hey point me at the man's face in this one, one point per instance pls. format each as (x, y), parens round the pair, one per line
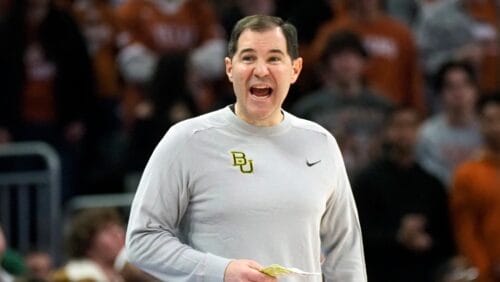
(39, 265)
(261, 72)
(401, 132)
(346, 66)
(490, 125)
(459, 93)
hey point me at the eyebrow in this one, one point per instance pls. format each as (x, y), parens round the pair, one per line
(270, 51)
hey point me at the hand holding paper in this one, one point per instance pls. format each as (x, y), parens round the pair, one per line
(277, 270)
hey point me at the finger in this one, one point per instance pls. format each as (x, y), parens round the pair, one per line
(255, 265)
(257, 276)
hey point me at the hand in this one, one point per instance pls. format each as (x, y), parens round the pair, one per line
(5, 136)
(245, 271)
(412, 233)
(74, 132)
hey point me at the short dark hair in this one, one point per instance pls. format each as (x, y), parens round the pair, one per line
(440, 77)
(344, 40)
(487, 99)
(263, 23)
(85, 225)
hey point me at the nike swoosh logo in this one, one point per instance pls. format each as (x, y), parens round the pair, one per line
(313, 163)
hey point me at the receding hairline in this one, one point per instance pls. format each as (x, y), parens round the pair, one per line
(272, 50)
(260, 24)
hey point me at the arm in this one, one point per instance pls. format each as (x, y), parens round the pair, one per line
(464, 210)
(340, 230)
(157, 210)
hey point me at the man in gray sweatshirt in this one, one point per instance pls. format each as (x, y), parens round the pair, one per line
(232, 191)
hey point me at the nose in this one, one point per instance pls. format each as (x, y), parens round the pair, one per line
(261, 69)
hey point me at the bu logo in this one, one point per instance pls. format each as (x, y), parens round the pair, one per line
(239, 159)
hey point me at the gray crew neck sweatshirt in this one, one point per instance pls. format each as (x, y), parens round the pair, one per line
(217, 188)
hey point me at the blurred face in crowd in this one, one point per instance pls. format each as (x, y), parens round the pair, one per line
(401, 131)
(459, 92)
(3, 244)
(39, 265)
(490, 125)
(261, 71)
(107, 242)
(346, 67)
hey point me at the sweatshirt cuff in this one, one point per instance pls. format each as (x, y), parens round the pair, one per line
(215, 268)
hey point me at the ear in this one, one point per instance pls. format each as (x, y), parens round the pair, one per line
(229, 68)
(296, 68)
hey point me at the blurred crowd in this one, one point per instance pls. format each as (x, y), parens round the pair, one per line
(409, 88)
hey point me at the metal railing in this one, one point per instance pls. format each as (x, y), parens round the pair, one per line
(30, 198)
(119, 200)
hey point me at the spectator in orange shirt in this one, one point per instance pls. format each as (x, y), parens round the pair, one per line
(393, 66)
(150, 29)
(475, 197)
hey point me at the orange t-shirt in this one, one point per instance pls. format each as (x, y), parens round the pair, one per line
(475, 208)
(163, 31)
(38, 98)
(392, 68)
(486, 11)
(97, 20)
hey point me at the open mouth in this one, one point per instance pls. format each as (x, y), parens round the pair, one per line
(261, 91)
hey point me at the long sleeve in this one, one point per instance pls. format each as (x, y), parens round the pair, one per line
(341, 232)
(465, 212)
(162, 198)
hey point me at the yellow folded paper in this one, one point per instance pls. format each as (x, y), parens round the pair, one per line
(276, 270)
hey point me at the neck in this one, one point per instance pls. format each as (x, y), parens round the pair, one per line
(459, 118)
(494, 152)
(349, 88)
(267, 122)
(402, 159)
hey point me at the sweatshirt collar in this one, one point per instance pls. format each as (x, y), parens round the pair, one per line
(245, 127)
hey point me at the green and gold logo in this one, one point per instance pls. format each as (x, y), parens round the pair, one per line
(239, 159)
